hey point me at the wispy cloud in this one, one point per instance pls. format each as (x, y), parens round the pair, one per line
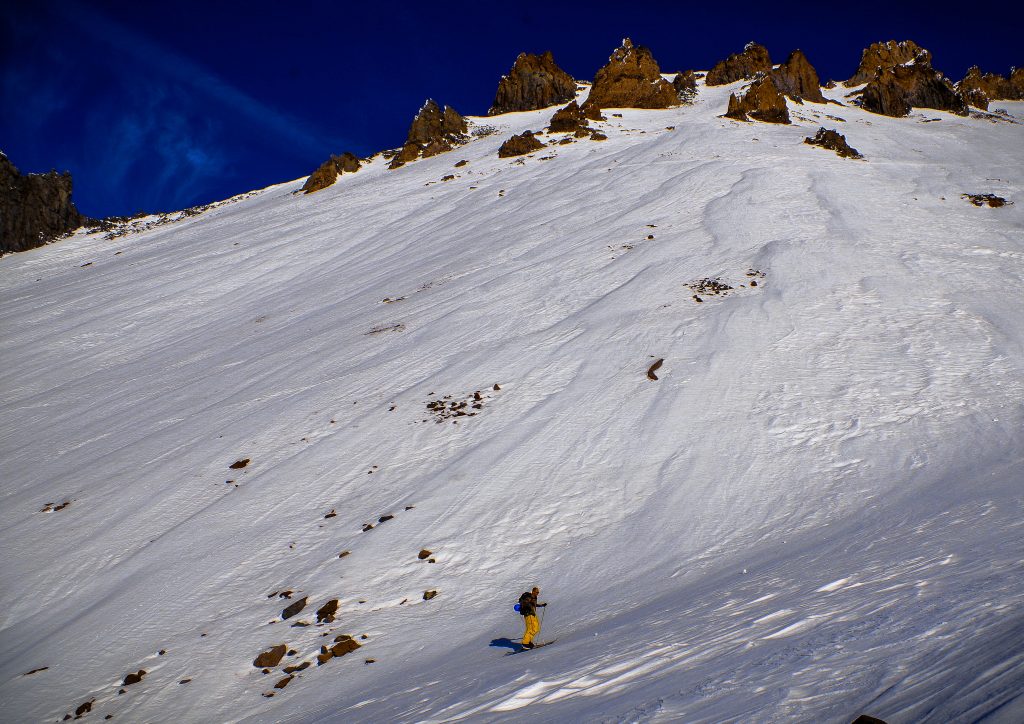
(171, 66)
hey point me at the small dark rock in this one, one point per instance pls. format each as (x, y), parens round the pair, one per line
(283, 682)
(294, 608)
(384, 518)
(84, 708)
(427, 595)
(241, 463)
(134, 678)
(271, 657)
(326, 613)
(424, 554)
(834, 141)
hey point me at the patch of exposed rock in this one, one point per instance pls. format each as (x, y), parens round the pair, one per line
(271, 657)
(631, 79)
(978, 89)
(762, 101)
(571, 119)
(885, 55)
(520, 145)
(685, 84)
(741, 66)
(894, 91)
(534, 82)
(797, 78)
(833, 141)
(34, 208)
(433, 131)
(329, 171)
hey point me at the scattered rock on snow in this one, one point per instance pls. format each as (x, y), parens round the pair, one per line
(240, 463)
(653, 368)
(834, 141)
(293, 609)
(326, 613)
(134, 678)
(271, 657)
(423, 555)
(427, 595)
(284, 682)
(982, 199)
(519, 145)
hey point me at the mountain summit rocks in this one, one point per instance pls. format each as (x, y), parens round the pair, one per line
(878, 56)
(978, 89)
(534, 82)
(741, 66)
(895, 90)
(34, 208)
(433, 131)
(631, 79)
(797, 78)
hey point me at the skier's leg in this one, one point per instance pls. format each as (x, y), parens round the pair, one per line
(532, 629)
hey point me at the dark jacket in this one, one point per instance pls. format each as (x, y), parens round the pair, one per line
(528, 604)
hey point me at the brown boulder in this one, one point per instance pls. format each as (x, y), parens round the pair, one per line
(326, 613)
(433, 131)
(797, 78)
(885, 55)
(568, 119)
(833, 141)
(284, 682)
(631, 79)
(761, 102)
(535, 81)
(133, 678)
(519, 145)
(741, 66)
(345, 646)
(270, 658)
(329, 171)
(894, 91)
(685, 84)
(34, 208)
(294, 608)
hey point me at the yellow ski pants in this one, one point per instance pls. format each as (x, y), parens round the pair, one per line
(532, 629)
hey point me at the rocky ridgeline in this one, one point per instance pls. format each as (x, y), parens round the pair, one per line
(798, 79)
(631, 79)
(978, 89)
(764, 100)
(329, 171)
(433, 131)
(35, 208)
(534, 82)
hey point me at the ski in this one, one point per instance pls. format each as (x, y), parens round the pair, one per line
(535, 646)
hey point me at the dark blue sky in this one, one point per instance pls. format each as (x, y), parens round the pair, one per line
(158, 106)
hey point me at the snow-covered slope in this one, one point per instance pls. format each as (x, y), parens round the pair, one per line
(814, 512)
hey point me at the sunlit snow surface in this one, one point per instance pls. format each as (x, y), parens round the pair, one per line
(814, 512)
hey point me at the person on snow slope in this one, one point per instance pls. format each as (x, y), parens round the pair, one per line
(528, 610)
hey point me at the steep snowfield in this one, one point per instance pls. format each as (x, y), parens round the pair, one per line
(814, 512)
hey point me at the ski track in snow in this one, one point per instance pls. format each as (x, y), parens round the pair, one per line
(813, 513)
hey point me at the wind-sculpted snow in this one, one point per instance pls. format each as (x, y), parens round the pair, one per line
(812, 513)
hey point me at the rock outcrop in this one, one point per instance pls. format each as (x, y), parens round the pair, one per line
(762, 101)
(885, 55)
(329, 171)
(34, 208)
(797, 78)
(534, 82)
(833, 141)
(978, 89)
(631, 79)
(571, 119)
(741, 66)
(433, 131)
(915, 84)
(685, 84)
(519, 145)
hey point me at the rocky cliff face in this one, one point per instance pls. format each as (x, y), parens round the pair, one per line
(631, 79)
(797, 78)
(34, 208)
(739, 66)
(433, 131)
(685, 84)
(535, 81)
(978, 89)
(329, 171)
(762, 101)
(885, 55)
(894, 91)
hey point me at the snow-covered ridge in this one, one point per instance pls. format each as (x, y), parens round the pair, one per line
(813, 512)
